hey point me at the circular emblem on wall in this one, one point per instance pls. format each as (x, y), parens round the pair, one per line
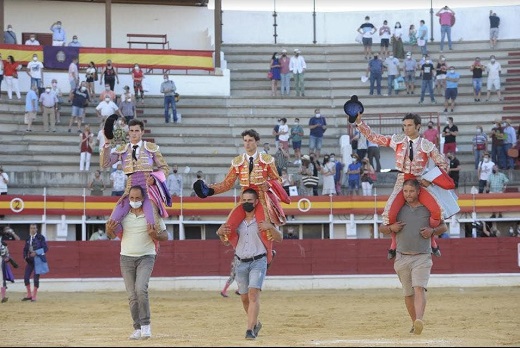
(304, 205)
(16, 205)
(60, 56)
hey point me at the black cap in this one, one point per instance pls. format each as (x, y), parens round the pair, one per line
(352, 108)
(109, 126)
(202, 190)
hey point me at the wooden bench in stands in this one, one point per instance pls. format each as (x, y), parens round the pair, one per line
(148, 39)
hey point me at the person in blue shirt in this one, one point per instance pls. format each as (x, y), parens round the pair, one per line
(58, 34)
(452, 84)
(75, 42)
(353, 175)
(317, 126)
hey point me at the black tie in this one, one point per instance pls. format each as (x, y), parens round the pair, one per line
(134, 152)
(251, 159)
(411, 151)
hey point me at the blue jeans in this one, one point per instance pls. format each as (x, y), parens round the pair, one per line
(497, 156)
(424, 49)
(136, 272)
(285, 86)
(427, 84)
(315, 143)
(391, 79)
(250, 274)
(445, 30)
(509, 161)
(375, 78)
(169, 100)
(299, 83)
(477, 85)
(478, 157)
(37, 82)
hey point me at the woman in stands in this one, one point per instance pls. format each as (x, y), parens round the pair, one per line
(11, 77)
(397, 41)
(440, 79)
(137, 77)
(109, 73)
(412, 35)
(91, 76)
(275, 73)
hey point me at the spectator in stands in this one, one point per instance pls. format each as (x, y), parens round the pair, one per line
(91, 77)
(367, 29)
(127, 107)
(275, 73)
(58, 34)
(450, 133)
(31, 107)
(4, 181)
(11, 68)
(479, 143)
(447, 16)
(85, 146)
(362, 143)
(493, 69)
(276, 135)
(384, 34)
(35, 71)
(368, 176)
(80, 97)
(422, 40)
(32, 41)
(298, 66)
(338, 175)
(10, 36)
(440, 75)
(497, 144)
(266, 148)
(57, 92)
(353, 175)
(485, 168)
(391, 65)
(410, 67)
(168, 88)
(107, 92)
(375, 73)
(1, 74)
(106, 108)
(33, 244)
(412, 36)
(296, 138)
(427, 73)
(477, 69)
(317, 126)
(284, 134)
(139, 246)
(452, 90)
(397, 41)
(328, 170)
(316, 170)
(74, 42)
(73, 77)
(285, 74)
(307, 169)
(120, 133)
(109, 75)
(494, 23)
(126, 93)
(485, 229)
(281, 159)
(509, 142)
(497, 183)
(454, 169)
(98, 235)
(432, 134)
(97, 185)
(118, 181)
(174, 182)
(137, 78)
(48, 102)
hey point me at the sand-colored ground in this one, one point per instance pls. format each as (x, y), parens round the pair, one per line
(454, 317)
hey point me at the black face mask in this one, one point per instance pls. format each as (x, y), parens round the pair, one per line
(430, 126)
(175, 170)
(248, 207)
(494, 171)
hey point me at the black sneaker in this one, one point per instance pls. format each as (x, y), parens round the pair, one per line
(4, 300)
(257, 328)
(237, 293)
(391, 254)
(27, 299)
(250, 335)
(436, 252)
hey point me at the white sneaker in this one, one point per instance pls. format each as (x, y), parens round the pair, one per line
(136, 335)
(146, 332)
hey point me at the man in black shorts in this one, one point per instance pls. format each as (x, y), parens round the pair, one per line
(367, 29)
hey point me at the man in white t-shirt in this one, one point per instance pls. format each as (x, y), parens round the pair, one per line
(73, 76)
(493, 69)
(35, 71)
(139, 245)
(284, 134)
(106, 108)
(485, 167)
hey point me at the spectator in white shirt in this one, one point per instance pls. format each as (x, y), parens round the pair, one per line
(106, 108)
(493, 69)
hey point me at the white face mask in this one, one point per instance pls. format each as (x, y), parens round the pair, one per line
(452, 71)
(83, 89)
(486, 160)
(35, 59)
(74, 40)
(136, 68)
(54, 84)
(32, 38)
(107, 99)
(318, 115)
(129, 100)
(48, 90)
(428, 61)
(332, 159)
(9, 29)
(136, 205)
(107, 88)
(492, 60)
(165, 80)
(391, 57)
(479, 131)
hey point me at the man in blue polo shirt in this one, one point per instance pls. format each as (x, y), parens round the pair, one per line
(452, 84)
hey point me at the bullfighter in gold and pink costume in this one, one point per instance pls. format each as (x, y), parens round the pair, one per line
(139, 168)
(423, 150)
(263, 178)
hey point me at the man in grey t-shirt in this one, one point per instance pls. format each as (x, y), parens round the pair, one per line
(413, 262)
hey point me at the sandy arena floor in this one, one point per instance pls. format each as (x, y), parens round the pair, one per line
(454, 317)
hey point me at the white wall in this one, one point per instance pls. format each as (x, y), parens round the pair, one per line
(337, 28)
